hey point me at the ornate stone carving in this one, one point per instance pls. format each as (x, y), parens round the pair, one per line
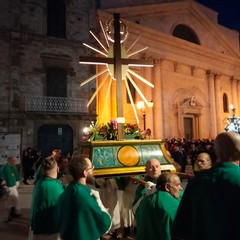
(212, 74)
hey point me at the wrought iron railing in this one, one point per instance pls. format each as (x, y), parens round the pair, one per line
(55, 104)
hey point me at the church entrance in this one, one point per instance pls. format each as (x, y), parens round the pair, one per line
(188, 128)
(55, 136)
(189, 112)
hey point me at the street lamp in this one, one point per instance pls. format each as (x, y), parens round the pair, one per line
(233, 109)
(141, 106)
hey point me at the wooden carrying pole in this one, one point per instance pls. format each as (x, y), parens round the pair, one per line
(142, 182)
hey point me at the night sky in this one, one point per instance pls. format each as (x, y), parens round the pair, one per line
(229, 12)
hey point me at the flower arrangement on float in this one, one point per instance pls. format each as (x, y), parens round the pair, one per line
(109, 131)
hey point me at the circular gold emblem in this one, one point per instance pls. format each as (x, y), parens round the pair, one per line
(128, 156)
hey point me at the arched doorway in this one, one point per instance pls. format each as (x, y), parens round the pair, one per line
(55, 135)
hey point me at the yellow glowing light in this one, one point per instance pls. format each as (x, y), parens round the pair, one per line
(126, 72)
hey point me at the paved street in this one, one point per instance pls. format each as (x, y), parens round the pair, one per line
(17, 229)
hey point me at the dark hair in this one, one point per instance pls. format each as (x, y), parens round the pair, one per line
(163, 179)
(48, 163)
(77, 165)
(59, 150)
(63, 157)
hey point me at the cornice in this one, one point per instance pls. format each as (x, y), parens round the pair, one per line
(212, 29)
(175, 49)
(156, 9)
(151, 9)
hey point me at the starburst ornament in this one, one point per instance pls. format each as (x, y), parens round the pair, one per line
(108, 59)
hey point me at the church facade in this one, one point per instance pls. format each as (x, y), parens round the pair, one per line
(196, 69)
(196, 66)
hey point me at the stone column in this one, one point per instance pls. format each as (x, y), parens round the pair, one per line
(157, 99)
(212, 105)
(219, 103)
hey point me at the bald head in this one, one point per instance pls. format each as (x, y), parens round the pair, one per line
(227, 146)
(203, 161)
(153, 168)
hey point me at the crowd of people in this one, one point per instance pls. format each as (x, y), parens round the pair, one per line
(31, 160)
(183, 150)
(68, 203)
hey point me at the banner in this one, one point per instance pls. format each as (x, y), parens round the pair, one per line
(10, 145)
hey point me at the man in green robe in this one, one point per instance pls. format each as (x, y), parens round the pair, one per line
(44, 200)
(153, 171)
(10, 173)
(80, 212)
(210, 207)
(156, 212)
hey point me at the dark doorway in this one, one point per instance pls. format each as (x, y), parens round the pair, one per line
(55, 136)
(188, 128)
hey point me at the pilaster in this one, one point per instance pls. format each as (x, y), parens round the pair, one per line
(212, 105)
(157, 94)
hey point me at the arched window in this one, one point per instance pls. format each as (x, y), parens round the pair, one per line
(225, 103)
(186, 33)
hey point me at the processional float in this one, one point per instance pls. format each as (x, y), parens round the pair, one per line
(121, 157)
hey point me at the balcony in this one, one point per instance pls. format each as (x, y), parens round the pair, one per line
(55, 104)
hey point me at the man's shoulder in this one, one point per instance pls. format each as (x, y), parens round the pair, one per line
(213, 178)
(221, 170)
(78, 188)
(165, 197)
(49, 183)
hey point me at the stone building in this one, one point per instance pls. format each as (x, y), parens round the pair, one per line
(41, 99)
(196, 68)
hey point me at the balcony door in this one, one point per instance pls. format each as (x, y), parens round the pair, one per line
(55, 135)
(56, 85)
